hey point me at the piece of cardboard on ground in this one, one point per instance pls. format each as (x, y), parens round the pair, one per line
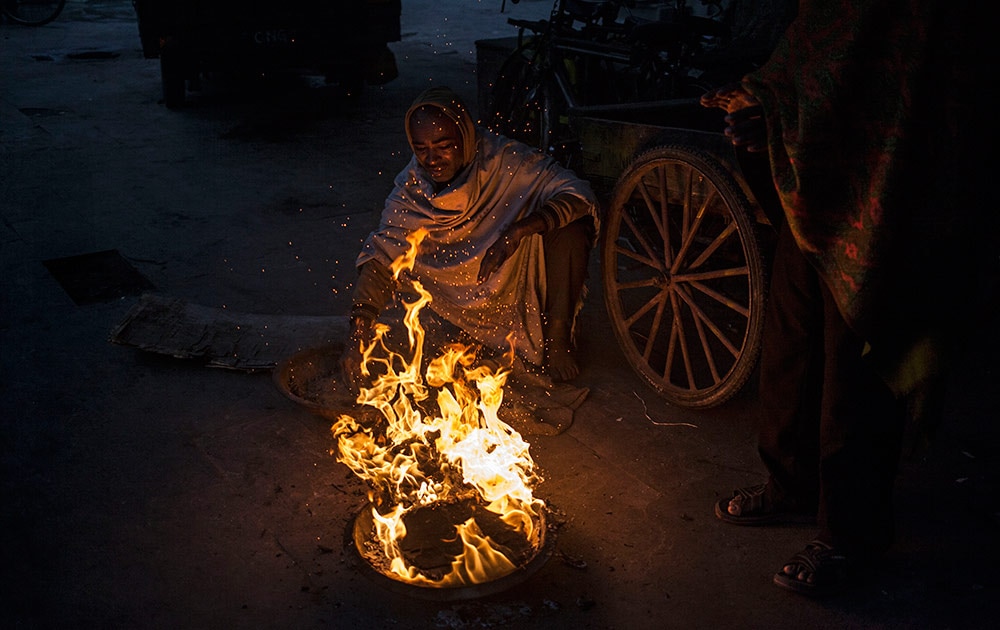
(534, 405)
(220, 337)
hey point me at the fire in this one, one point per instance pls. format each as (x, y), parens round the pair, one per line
(462, 451)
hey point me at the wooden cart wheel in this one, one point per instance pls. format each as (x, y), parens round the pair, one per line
(684, 282)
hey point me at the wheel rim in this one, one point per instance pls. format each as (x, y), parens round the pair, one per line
(682, 277)
(34, 12)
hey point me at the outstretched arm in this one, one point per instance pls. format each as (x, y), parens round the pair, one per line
(551, 215)
(370, 295)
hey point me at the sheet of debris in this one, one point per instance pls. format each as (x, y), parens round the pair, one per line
(533, 403)
(222, 338)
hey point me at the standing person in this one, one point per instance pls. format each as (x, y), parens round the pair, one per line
(865, 110)
(509, 236)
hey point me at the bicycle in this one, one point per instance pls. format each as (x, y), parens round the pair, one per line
(32, 12)
(592, 53)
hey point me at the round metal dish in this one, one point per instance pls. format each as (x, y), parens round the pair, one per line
(361, 533)
(310, 378)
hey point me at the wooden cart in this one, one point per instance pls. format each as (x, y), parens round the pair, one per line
(686, 235)
(686, 238)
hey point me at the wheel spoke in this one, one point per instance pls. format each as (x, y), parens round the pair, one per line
(690, 233)
(678, 329)
(654, 328)
(638, 284)
(649, 262)
(722, 299)
(637, 234)
(654, 212)
(705, 349)
(714, 245)
(643, 309)
(700, 314)
(731, 272)
(668, 249)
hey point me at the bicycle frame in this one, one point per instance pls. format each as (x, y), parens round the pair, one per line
(586, 55)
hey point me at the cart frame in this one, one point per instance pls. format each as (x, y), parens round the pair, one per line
(686, 243)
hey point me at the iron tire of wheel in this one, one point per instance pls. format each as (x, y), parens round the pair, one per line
(41, 19)
(684, 280)
(173, 74)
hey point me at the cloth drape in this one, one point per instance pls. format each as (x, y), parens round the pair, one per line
(504, 181)
(872, 109)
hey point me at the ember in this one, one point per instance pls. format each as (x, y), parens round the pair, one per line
(450, 490)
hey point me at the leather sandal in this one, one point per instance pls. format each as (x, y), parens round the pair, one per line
(816, 570)
(753, 506)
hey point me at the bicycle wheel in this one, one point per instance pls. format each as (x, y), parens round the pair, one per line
(33, 12)
(684, 282)
(527, 103)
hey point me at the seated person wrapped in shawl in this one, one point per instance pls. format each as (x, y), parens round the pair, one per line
(509, 235)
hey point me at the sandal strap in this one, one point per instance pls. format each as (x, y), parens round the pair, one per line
(747, 500)
(818, 557)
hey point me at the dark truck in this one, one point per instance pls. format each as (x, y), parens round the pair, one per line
(344, 40)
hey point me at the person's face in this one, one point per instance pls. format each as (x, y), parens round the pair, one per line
(437, 144)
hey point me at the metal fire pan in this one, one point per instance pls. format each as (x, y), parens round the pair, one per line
(359, 532)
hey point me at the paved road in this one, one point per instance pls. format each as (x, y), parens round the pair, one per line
(143, 491)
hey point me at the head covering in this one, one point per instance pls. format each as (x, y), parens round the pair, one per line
(447, 101)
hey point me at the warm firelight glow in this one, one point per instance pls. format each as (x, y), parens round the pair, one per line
(459, 451)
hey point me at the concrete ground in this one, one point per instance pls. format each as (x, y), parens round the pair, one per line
(143, 491)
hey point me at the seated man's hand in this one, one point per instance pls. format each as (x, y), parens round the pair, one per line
(505, 246)
(501, 249)
(362, 333)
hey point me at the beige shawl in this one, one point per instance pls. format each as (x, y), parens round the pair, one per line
(503, 181)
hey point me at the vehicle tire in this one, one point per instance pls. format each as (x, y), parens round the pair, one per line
(684, 279)
(33, 12)
(173, 74)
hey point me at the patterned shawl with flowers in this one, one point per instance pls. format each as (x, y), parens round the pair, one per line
(868, 105)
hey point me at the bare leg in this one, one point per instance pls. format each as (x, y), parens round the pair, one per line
(567, 250)
(560, 362)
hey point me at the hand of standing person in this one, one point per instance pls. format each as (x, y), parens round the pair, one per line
(744, 116)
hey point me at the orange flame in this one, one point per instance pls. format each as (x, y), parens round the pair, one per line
(464, 450)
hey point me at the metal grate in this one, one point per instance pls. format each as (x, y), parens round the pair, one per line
(97, 277)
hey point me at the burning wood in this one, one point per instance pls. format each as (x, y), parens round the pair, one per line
(450, 490)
